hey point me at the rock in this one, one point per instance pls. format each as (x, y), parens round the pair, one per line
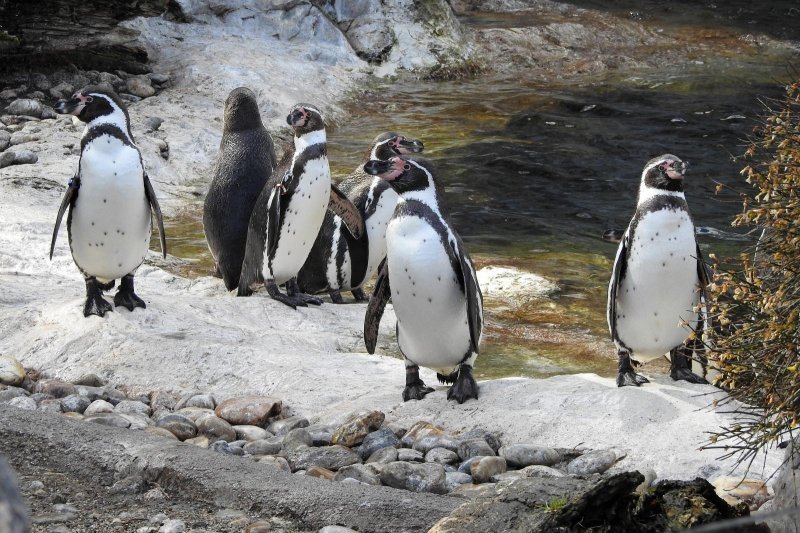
(161, 432)
(471, 491)
(201, 441)
(541, 471)
(521, 455)
(425, 477)
(466, 466)
(221, 446)
(330, 457)
(179, 425)
(277, 462)
(113, 395)
(474, 448)
(323, 473)
(382, 438)
(513, 285)
(25, 157)
(75, 404)
(132, 407)
(140, 86)
(89, 380)
(418, 430)
(184, 399)
(48, 113)
(203, 401)
(152, 124)
(248, 410)
(321, 434)
(429, 442)
(172, 526)
(285, 425)
(8, 94)
(483, 469)
(25, 106)
(357, 427)
(455, 479)
(12, 392)
(11, 371)
(405, 454)
(112, 79)
(38, 397)
(251, 433)
(62, 90)
(383, 456)
(97, 407)
(296, 438)
(22, 137)
(364, 473)
(154, 494)
(595, 462)
(109, 419)
(5, 140)
(54, 387)
(23, 402)
(442, 456)
(7, 158)
(161, 400)
(157, 78)
(215, 429)
(268, 446)
(506, 476)
(479, 433)
(753, 492)
(336, 529)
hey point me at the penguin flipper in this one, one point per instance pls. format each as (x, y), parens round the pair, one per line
(254, 248)
(273, 219)
(341, 205)
(156, 209)
(473, 293)
(620, 268)
(380, 297)
(703, 270)
(70, 195)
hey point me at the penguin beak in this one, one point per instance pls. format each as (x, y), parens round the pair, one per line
(73, 106)
(297, 118)
(376, 167)
(413, 146)
(677, 170)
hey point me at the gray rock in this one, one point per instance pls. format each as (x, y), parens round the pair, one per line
(62, 90)
(268, 446)
(541, 471)
(277, 462)
(97, 407)
(109, 419)
(406, 454)
(113, 396)
(38, 397)
(368, 474)
(196, 413)
(140, 86)
(595, 462)
(132, 407)
(425, 477)
(172, 526)
(23, 402)
(215, 429)
(203, 401)
(248, 410)
(5, 140)
(297, 438)
(138, 421)
(184, 399)
(161, 432)
(162, 400)
(112, 79)
(221, 446)
(54, 387)
(474, 448)
(48, 113)
(7, 158)
(521, 455)
(357, 426)
(12, 392)
(89, 380)
(50, 406)
(251, 433)
(11, 371)
(466, 466)
(426, 444)
(22, 137)
(442, 456)
(152, 124)
(25, 157)
(284, 426)
(383, 456)
(382, 438)
(454, 479)
(507, 476)
(157, 78)
(179, 425)
(8, 94)
(74, 403)
(336, 529)
(25, 106)
(321, 434)
(330, 457)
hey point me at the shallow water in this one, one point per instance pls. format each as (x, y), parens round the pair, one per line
(535, 173)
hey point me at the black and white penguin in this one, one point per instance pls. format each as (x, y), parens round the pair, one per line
(337, 261)
(245, 162)
(110, 202)
(655, 297)
(431, 281)
(289, 212)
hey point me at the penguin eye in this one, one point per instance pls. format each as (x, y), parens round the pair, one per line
(89, 99)
(406, 167)
(662, 167)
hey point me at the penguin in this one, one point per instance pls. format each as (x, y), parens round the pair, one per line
(431, 281)
(338, 262)
(289, 212)
(245, 162)
(110, 200)
(656, 300)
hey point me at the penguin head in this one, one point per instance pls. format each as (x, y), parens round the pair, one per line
(387, 145)
(304, 118)
(93, 102)
(241, 110)
(665, 172)
(403, 173)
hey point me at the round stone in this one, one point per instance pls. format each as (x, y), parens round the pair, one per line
(54, 387)
(322, 473)
(23, 402)
(442, 456)
(383, 456)
(297, 438)
(357, 427)
(269, 446)
(364, 473)
(277, 462)
(248, 410)
(11, 371)
(474, 448)
(195, 413)
(132, 407)
(285, 425)
(200, 442)
(215, 429)
(408, 455)
(25, 157)
(140, 86)
(522, 455)
(204, 401)
(251, 433)
(330, 457)
(51, 405)
(25, 106)
(161, 432)
(109, 419)
(595, 462)
(179, 425)
(99, 406)
(455, 479)
(427, 443)
(382, 438)
(424, 477)
(74, 403)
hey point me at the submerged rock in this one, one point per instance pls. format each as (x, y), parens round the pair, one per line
(514, 285)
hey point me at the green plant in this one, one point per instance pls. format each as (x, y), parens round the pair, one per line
(556, 504)
(757, 306)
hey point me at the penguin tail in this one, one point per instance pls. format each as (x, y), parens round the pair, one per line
(447, 379)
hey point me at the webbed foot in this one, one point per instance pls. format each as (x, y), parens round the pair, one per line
(336, 297)
(684, 374)
(95, 303)
(626, 377)
(681, 364)
(276, 294)
(300, 298)
(415, 387)
(465, 386)
(359, 295)
(126, 297)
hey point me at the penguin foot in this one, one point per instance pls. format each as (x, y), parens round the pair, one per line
(628, 378)
(301, 299)
(684, 374)
(416, 391)
(465, 386)
(336, 297)
(359, 295)
(96, 305)
(128, 300)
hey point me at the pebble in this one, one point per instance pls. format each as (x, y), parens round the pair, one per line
(429, 442)
(330, 457)
(152, 124)
(323, 473)
(7, 158)
(455, 479)
(425, 477)
(442, 456)
(296, 438)
(12, 392)
(418, 430)
(368, 474)
(158, 78)
(161, 432)
(109, 419)
(595, 462)
(75, 404)
(154, 494)
(336, 529)
(62, 90)
(357, 427)
(204, 401)
(98, 406)
(90, 380)
(248, 410)
(54, 387)
(376, 440)
(262, 526)
(25, 157)
(409, 455)
(132, 407)
(23, 402)
(140, 86)
(22, 137)
(11, 371)
(541, 471)
(172, 526)
(521, 455)
(38, 397)
(215, 429)
(383, 456)
(474, 448)
(268, 446)
(195, 413)
(277, 462)
(180, 425)
(483, 469)
(467, 465)
(162, 400)
(50, 406)
(470, 490)
(250, 433)
(285, 425)
(221, 446)
(201, 441)
(25, 106)
(321, 434)
(138, 421)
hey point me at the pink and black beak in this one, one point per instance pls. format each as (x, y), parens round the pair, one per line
(73, 106)
(404, 146)
(674, 170)
(387, 170)
(298, 117)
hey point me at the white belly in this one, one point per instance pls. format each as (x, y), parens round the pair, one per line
(376, 229)
(656, 298)
(302, 221)
(110, 221)
(431, 309)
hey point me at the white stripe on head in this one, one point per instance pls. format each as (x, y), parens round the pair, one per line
(309, 139)
(427, 195)
(647, 192)
(117, 117)
(374, 153)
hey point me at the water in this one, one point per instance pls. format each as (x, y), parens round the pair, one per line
(534, 173)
